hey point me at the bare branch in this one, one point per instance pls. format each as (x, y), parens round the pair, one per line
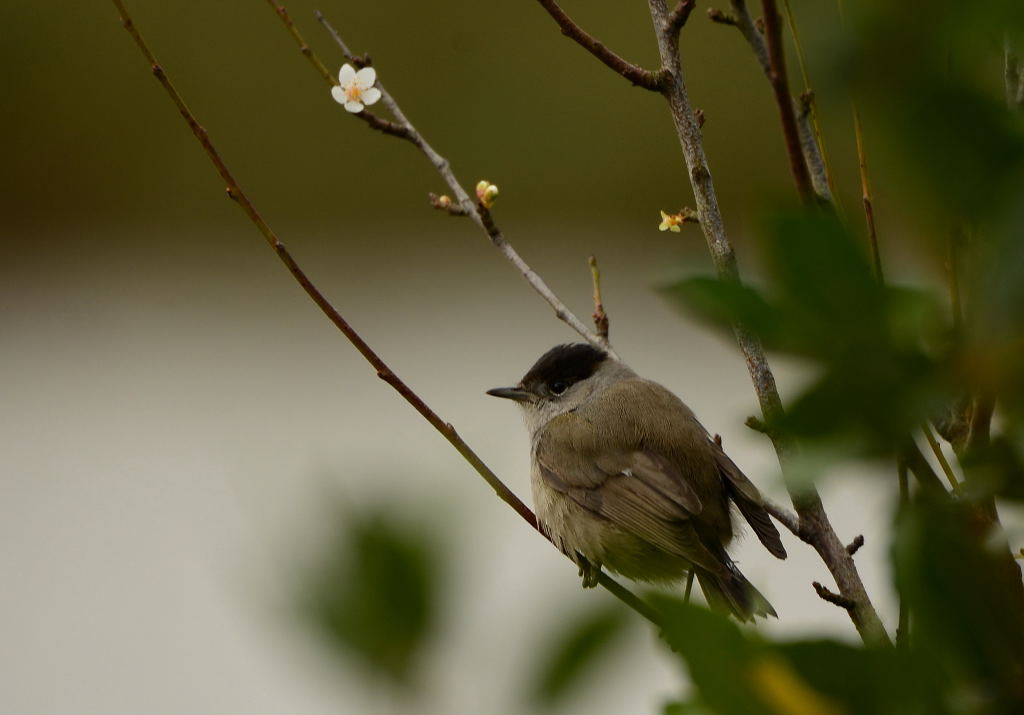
(634, 73)
(833, 598)
(404, 129)
(783, 100)
(813, 525)
(680, 14)
(788, 519)
(740, 18)
(600, 316)
(854, 546)
(722, 18)
(445, 203)
(384, 372)
(811, 148)
(807, 129)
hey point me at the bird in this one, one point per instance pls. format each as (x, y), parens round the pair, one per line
(624, 477)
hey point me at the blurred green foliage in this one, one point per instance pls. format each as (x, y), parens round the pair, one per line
(571, 653)
(374, 593)
(889, 356)
(883, 352)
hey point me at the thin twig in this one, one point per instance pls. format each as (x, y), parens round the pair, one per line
(600, 316)
(788, 519)
(854, 546)
(680, 14)
(940, 457)
(444, 203)
(740, 19)
(833, 598)
(384, 372)
(866, 197)
(634, 73)
(818, 164)
(784, 101)
(809, 133)
(479, 215)
(903, 624)
(912, 458)
(813, 147)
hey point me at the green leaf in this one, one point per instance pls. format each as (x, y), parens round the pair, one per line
(966, 600)
(373, 593)
(573, 652)
(885, 355)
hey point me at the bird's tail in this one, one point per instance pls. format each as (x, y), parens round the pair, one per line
(730, 592)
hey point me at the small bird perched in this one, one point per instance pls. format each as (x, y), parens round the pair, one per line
(624, 476)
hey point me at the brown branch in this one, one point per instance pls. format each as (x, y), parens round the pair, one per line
(811, 523)
(812, 149)
(384, 372)
(634, 73)
(810, 144)
(780, 86)
(722, 18)
(600, 316)
(680, 14)
(854, 546)
(445, 203)
(305, 49)
(833, 598)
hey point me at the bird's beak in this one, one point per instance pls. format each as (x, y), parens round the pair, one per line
(512, 393)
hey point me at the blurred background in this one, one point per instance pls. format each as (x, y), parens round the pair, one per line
(191, 457)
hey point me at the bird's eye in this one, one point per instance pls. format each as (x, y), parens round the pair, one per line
(557, 388)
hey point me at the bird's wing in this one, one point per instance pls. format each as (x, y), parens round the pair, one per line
(638, 490)
(750, 503)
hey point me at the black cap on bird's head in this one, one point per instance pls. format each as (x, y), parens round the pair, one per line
(556, 371)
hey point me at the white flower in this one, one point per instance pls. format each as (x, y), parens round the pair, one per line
(355, 89)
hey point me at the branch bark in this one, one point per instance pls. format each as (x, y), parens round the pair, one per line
(634, 73)
(812, 151)
(780, 87)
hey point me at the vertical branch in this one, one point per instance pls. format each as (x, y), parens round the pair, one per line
(783, 99)
(814, 526)
(815, 151)
(809, 132)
